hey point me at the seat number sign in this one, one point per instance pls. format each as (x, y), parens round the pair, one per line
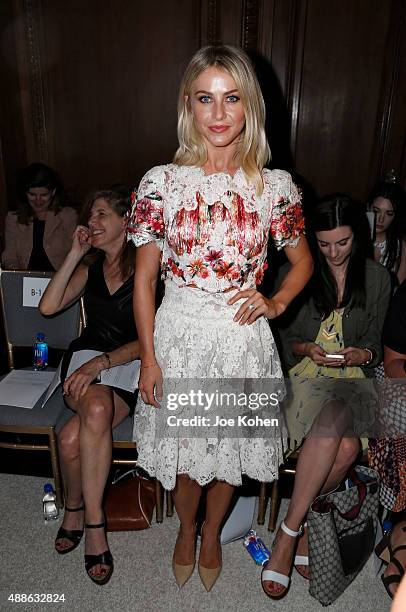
(33, 289)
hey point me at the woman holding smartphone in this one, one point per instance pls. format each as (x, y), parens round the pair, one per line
(335, 333)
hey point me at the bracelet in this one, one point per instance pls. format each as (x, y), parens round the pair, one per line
(149, 365)
(108, 360)
(371, 356)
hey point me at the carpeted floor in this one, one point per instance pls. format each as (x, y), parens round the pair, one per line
(142, 580)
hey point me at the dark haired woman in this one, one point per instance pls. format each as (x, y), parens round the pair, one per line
(343, 315)
(387, 201)
(38, 235)
(106, 279)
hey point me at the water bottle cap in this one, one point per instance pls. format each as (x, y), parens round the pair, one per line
(40, 336)
(48, 488)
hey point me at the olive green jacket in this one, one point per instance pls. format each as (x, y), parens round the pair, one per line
(361, 328)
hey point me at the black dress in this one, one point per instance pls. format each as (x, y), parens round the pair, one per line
(110, 322)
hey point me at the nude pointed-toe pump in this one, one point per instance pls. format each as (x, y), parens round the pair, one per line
(182, 573)
(209, 576)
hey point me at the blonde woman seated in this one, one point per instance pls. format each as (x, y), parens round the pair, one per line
(106, 281)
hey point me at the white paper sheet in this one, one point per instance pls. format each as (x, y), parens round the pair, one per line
(123, 376)
(23, 388)
(55, 382)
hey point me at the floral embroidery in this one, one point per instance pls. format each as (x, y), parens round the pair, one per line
(287, 221)
(259, 276)
(198, 268)
(172, 266)
(148, 214)
(226, 270)
(213, 230)
(213, 255)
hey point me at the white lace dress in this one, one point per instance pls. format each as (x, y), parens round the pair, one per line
(213, 232)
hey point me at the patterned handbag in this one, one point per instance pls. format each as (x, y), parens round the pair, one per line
(341, 528)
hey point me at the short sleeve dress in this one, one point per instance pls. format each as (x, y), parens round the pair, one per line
(212, 231)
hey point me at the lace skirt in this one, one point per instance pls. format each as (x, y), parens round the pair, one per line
(196, 338)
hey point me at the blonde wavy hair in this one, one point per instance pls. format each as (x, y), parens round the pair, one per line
(253, 150)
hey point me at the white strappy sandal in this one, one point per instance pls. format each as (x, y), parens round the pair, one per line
(270, 575)
(301, 560)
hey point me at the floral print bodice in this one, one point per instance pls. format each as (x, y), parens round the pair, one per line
(213, 229)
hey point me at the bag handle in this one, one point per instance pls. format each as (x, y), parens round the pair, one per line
(353, 512)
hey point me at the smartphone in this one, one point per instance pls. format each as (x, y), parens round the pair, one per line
(334, 356)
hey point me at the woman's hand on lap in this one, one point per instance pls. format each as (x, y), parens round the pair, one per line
(78, 382)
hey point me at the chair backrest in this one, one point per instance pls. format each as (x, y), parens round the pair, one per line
(22, 322)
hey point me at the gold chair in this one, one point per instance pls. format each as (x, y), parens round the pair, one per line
(21, 323)
(286, 468)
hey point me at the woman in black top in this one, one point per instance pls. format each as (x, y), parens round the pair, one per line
(106, 280)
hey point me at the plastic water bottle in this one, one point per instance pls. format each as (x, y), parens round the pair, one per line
(40, 352)
(49, 505)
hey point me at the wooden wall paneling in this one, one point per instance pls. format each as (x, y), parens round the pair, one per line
(28, 33)
(12, 139)
(382, 153)
(276, 38)
(112, 86)
(335, 108)
(210, 23)
(398, 126)
(391, 125)
(93, 86)
(231, 16)
(250, 23)
(266, 26)
(295, 69)
(279, 47)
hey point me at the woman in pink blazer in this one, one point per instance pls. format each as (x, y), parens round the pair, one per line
(38, 235)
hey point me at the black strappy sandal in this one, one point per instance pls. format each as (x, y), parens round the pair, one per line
(74, 536)
(387, 554)
(105, 558)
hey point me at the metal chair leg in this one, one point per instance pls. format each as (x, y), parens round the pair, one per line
(169, 504)
(262, 504)
(273, 511)
(53, 449)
